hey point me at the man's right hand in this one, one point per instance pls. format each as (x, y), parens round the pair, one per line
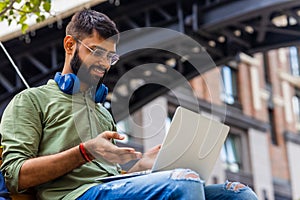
(101, 146)
(36, 171)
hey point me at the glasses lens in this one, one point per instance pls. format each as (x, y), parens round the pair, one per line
(99, 53)
(111, 57)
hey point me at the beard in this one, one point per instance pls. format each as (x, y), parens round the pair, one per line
(83, 71)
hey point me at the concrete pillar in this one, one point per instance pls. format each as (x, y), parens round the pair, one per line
(261, 164)
(293, 151)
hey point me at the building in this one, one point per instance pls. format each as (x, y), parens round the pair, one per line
(259, 98)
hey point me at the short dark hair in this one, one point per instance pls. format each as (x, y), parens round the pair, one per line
(85, 22)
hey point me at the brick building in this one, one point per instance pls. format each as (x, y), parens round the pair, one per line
(259, 98)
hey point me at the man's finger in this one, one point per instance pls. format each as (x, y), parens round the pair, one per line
(127, 151)
(128, 157)
(122, 150)
(112, 135)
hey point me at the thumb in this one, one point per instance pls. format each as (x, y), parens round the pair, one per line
(112, 135)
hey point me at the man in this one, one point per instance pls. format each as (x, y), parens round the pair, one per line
(57, 139)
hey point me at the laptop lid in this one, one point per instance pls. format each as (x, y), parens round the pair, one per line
(193, 141)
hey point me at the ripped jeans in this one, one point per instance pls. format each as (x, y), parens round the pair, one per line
(181, 184)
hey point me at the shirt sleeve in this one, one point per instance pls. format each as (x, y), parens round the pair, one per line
(21, 130)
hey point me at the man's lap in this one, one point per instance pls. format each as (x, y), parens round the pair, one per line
(173, 184)
(152, 186)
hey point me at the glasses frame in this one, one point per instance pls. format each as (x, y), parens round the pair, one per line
(112, 57)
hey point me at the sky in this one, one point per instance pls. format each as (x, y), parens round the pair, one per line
(60, 8)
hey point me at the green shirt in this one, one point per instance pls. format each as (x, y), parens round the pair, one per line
(43, 121)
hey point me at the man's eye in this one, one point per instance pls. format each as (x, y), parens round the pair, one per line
(98, 52)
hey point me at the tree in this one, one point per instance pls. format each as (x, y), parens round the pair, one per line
(20, 11)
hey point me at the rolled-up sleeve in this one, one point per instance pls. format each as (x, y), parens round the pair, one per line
(21, 129)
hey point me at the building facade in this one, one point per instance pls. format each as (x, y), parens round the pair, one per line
(259, 98)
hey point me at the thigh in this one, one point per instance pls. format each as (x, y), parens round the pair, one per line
(159, 185)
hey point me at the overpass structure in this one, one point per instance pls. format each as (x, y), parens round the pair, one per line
(190, 37)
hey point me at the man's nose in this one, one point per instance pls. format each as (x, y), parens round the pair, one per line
(104, 63)
(103, 60)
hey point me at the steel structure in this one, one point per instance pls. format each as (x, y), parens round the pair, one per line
(223, 28)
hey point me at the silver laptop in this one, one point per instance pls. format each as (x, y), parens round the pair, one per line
(193, 141)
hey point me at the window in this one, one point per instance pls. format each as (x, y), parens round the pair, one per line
(271, 118)
(294, 61)
(230, 91)
(266, 69)
(168, 123)
(296, 105)
(231, 153)
(272, 126)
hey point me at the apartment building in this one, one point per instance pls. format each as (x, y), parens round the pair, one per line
(259, 98)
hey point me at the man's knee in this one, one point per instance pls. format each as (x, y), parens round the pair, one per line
(242, 191)
(185, 174)
(234, 186)
(183, 180)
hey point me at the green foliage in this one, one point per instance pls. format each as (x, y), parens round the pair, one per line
(20, 11)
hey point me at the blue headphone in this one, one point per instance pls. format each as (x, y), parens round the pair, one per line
(70, 84)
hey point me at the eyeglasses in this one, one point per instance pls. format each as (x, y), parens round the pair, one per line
(113, 58)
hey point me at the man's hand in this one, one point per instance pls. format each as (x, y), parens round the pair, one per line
(101, 146)
(147, 161)
(36, 171)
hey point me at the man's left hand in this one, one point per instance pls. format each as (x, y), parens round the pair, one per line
(147, 161)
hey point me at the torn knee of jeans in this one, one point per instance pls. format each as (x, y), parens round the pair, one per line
(234, 186)
(184, 174)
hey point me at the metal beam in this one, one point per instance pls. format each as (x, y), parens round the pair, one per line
(38, 64)
(227, 14)
(6, 84)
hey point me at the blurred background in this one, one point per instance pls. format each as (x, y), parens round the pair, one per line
(250, 83)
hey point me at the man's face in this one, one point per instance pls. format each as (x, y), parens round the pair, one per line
(90, 66)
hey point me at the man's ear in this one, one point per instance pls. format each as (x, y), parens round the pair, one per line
(69, 43)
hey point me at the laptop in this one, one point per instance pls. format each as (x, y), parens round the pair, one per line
(193, 141)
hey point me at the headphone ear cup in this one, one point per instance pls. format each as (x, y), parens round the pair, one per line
(67, 83)
(70, 84)
(101, 94)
